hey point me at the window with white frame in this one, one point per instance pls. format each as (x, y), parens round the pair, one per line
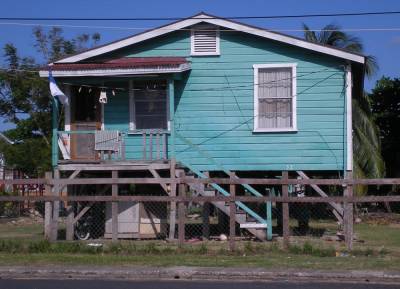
(274, 97)
(204, 40)
(149, 105)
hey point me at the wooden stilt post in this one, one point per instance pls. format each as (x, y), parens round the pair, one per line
(114, 208)
(232, 214)
(69, 234)
(206, 213)
(348, 214)
(206, 220)
(268, 212)
(48, 208)
(181, 212)
(56, 207)
(285, 211)
(172, 212)
(69, 229)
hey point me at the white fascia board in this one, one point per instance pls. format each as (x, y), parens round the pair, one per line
(287, 39)
(220, 22)
(112, 72)
(129, 41)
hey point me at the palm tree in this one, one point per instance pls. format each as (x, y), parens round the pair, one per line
(368, 161)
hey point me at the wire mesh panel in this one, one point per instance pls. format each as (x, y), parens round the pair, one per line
(311, 222)
(146, 213)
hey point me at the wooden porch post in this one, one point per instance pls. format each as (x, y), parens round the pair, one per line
(171, 150)
(171, 95)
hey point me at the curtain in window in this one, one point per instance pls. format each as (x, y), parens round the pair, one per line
(275, 98)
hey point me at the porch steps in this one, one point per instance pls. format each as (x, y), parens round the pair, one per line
(241, 216)
(244, 215)
(262, 234)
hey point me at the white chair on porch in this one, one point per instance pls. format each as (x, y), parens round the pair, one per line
(109, 142)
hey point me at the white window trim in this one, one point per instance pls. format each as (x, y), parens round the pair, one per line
(192, 50)
(132, 108)
(256, 67)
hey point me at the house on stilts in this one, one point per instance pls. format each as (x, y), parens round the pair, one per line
(203, 96)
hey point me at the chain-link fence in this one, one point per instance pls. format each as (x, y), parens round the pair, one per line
(311, 224)
(295, 214)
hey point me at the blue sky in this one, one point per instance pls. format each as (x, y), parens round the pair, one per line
(384, 45)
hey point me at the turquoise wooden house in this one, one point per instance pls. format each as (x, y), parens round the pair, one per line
(212, 96)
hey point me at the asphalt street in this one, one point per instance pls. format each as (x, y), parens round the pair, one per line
(109, 284)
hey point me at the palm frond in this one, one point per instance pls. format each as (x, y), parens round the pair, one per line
(359, 190)
(371, 66)
(309, 35)
(364, 122)
(368, 160)
(367, 156)
(331, 35)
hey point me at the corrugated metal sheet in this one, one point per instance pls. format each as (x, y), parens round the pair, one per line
(126, 62)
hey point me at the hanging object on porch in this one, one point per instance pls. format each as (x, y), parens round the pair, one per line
(56, 91)
(103, 97)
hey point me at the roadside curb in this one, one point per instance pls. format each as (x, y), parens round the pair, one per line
(195, 273)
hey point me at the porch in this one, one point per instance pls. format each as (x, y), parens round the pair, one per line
(118, 111)
(108, 147)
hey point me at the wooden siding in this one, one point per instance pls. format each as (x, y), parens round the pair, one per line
(214, 107)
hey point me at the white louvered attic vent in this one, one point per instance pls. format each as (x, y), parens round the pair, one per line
(205, 40)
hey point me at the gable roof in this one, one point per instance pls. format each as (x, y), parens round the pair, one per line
(229, 24)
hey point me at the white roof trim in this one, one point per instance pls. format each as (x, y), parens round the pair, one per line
(115, 72)
(220, 22)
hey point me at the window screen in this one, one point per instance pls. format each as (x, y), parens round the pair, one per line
(150, 100)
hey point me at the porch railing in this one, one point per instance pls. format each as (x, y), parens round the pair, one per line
(85, 145)
(154, 145)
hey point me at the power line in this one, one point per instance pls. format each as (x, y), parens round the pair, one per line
(242, 123)
(371, 13)
(368, 29)
(220, 88)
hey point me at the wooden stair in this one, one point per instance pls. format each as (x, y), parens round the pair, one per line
(241, 216)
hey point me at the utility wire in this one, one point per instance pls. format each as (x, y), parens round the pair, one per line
(245, 122)
(221, 88)
(370, 13)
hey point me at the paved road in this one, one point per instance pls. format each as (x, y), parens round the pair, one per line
(101, 284)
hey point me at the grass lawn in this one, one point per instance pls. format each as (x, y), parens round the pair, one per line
(379, 249)
(273, 260)
(379, 236)
(21, 231)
